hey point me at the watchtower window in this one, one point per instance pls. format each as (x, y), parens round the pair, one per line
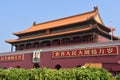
(28, 46)
(45, 43)
(56, 42)
(36, 45)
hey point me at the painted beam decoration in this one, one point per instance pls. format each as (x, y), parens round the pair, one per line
(100, 51)
(36, 56)
(12, 57)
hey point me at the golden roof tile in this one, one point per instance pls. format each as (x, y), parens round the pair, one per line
(63, 21)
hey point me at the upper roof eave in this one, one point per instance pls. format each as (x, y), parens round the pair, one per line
(60, 22)
(108, 29)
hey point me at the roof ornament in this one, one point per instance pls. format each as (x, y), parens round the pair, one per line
(95, 8)
(34, 23)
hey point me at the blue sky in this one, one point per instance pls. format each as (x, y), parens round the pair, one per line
(18, 15)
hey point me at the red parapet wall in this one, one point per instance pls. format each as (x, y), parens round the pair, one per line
(24, 62)
(66, 58)
(108, 57)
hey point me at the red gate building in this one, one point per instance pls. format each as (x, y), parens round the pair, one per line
(68, 42)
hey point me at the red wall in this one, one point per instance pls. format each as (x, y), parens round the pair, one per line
(109, 61)
(70, 62)
(103, 39)
(26, 63)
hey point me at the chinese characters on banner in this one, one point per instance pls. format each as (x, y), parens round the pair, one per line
(36, 56)
(12, 57)
(110, 50)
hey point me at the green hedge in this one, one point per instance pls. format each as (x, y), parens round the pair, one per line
(117, 77)
(53, 74)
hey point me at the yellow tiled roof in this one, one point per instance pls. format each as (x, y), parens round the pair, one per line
(63, 21)
(60, 23)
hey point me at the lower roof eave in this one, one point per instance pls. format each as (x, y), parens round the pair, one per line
(50, 35)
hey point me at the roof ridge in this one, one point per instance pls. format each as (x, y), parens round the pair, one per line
(60, 22)
(95, 10)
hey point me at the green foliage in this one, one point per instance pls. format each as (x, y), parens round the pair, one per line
(118, 77)
(53, 74)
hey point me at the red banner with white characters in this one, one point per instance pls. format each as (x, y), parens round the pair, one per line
(109, 50)
(12, 57)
